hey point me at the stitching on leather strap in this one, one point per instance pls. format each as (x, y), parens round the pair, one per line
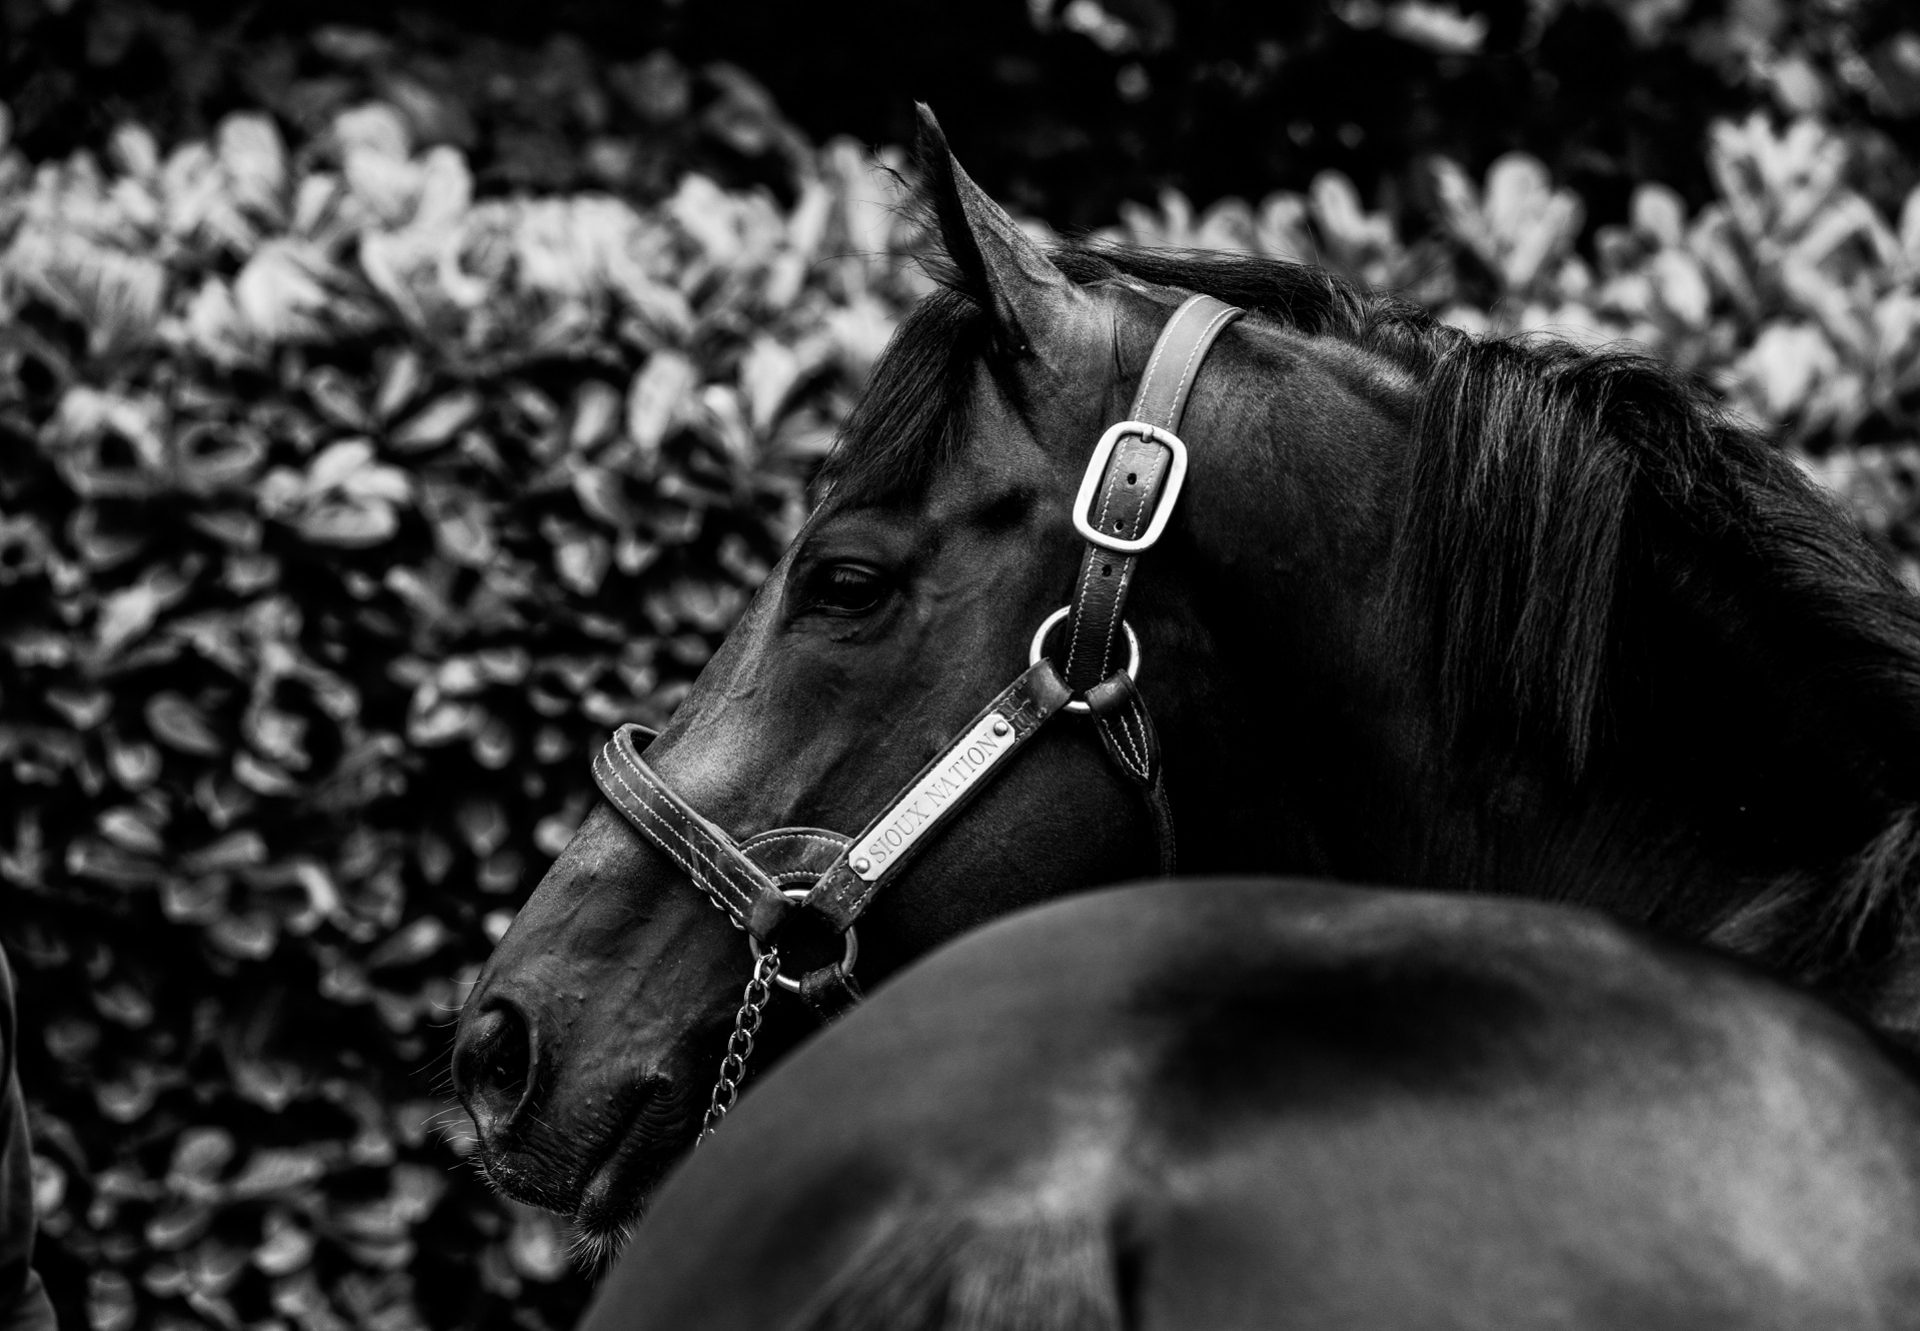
(707, 871)
(1161, 458)
(635, 804)
(1159, 350)
(1200, 344)
(762, 841)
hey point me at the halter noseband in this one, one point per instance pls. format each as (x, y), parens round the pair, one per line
(1125, 499)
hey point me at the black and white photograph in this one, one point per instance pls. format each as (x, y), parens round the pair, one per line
(1048, 665)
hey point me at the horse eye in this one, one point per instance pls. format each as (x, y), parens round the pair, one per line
(845, 589)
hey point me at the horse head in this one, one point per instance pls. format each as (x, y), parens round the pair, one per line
(913, 594)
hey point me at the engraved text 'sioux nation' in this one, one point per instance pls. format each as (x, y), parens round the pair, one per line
(965, 763)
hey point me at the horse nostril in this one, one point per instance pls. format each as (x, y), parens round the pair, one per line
(493, 1067)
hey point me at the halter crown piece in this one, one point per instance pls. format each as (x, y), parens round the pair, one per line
(1126, 497)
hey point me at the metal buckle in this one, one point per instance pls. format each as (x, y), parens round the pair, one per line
(1097, 468)
(1080, 706)
(793, 986)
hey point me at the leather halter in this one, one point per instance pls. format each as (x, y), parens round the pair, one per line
(1126, 496)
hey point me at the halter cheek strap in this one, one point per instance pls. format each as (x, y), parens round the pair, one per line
(1125, 500)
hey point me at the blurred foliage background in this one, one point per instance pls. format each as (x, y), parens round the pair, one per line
(391, 402)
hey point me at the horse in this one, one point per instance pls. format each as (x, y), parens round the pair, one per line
(1500, 616)
(1270, 1104)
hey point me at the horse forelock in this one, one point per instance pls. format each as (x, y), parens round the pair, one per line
(913, 417)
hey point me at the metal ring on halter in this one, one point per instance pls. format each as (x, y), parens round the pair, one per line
(779, 978)
(1079, 706)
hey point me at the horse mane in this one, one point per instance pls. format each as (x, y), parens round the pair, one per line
(1546, 484)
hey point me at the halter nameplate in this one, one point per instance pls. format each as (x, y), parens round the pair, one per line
(943, 787)
(1124, 503)
(972, 756)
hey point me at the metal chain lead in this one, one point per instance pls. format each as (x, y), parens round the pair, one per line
(746, 1025)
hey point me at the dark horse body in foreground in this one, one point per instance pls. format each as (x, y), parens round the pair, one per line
(1435, 611)
(1260, 1104)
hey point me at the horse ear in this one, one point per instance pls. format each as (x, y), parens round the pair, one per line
(997, 261)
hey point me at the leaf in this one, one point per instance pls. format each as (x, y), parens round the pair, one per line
(386, 184)
(659, 397)
(111, 1305)
(255, 162)
(768, 373)
(483, 824)
(261, 776)
(125, 1098)
(83, 708)
(131, 830)
(250, 936)
(277, 734)
(277, 1171)
(100, 547)
(173, 1230)
(411, 944)
(1682, 287)
(232, 527)
(536, 1246)
(235, 850)
(442, 723)
(286, 1248)
(214, 328)
(1784, 366)
(195, 900)
(445, 191)
(1910, 230)
(603, 496)
(355, 525)
(134, 765)
(199, 1154)
(399, 383)
(552, 833)
(124, 1004)
(115, 296)
(88, 858)
(596, 409)
(336, 463)
(133, 150)
(463, 527)
(582, 560)
(281, 294)
(179, 724)
(126, 615)
(1659, 213)
(494, 745)
(504, 665)
(1529, 219)
(437, 422)
(336, 398)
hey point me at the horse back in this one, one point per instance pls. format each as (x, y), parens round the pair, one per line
(1233, 1103)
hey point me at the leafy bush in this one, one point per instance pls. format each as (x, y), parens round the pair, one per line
(342, 508)
(1070, 106)
(552, 113)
